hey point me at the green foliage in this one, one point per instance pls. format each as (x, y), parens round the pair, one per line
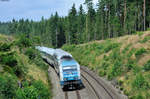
(147, 38)
(8, 59)
(131, 52)
(8, 86)
(131, 64)
(34, 91)
(140, 82)
(20, 69)
(140, 33)
(109, 46)
(140, 52)
(5, 46)
(126, 48)
(147, 66)
(43, 91)
(69, 48)
(31, 53)
(23, 41)
(27, 93)
(116, 70)
(139, 96)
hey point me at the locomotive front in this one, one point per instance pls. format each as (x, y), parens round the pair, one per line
(70, 72)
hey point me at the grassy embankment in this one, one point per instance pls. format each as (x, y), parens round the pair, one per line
(124, 60)
(23, 74)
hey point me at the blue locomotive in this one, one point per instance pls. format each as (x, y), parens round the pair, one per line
(66, 67)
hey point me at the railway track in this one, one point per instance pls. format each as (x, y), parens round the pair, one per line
(77, 94)
(66, 95)
(92, 86)
(96, 94)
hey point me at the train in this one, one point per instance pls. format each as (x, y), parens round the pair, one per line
(67, 68)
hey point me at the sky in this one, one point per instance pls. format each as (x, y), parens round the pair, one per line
(35, 9)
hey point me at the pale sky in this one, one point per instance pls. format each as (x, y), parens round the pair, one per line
(35, 9)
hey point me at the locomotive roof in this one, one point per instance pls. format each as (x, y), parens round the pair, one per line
(61, 53)
(46, 50)
(58, 52)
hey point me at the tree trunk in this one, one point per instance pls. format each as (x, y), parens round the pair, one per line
(56, 37)
(125, 12)
(144, 13)
(109, 29)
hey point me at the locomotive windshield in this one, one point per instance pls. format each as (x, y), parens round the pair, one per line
(69, 64)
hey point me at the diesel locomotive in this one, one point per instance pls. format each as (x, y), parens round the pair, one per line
(66, 66)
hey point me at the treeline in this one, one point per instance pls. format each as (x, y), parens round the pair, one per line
(111, 18)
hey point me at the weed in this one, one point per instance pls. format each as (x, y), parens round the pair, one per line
(147, 38)
(147, 66)
(140, 33)
(140, 52)
(5, 47)
(139, 82)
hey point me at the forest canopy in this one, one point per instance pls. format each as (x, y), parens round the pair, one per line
(111, 18)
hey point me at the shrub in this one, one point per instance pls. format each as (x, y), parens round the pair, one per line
(139, 96)
(30, 53)
(147, 66)
(20, 69)
(8, 59)
(42, 90)
(27, 93)
(140, 52)
(116, 69)
(140, 33)
(139, 82)
(8, 86)
(24, 41)
(34, 90)
(130, 64)
(131, 52)
(126, 48)
(5, 47)
(145, 39)
(68, 47)
(110, 46)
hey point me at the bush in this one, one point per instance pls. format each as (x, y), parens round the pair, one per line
(42, 90)
(131, 52)
(139, 82)
(24, 41)
(8, 59)
(34, 90)
(8, 86)
(27, 93)
(110, 46)
(31, 53)
(68, 47)
(140, 33)
(130, 64)
(5, 47)
(145, 39)
(20, 69)
(147, 66)
(140, 52)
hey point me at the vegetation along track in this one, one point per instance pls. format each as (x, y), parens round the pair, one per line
(92, 86)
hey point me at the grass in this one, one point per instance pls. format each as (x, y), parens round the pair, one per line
(118, 59)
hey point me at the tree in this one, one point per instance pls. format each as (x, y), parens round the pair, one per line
(72, 25)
